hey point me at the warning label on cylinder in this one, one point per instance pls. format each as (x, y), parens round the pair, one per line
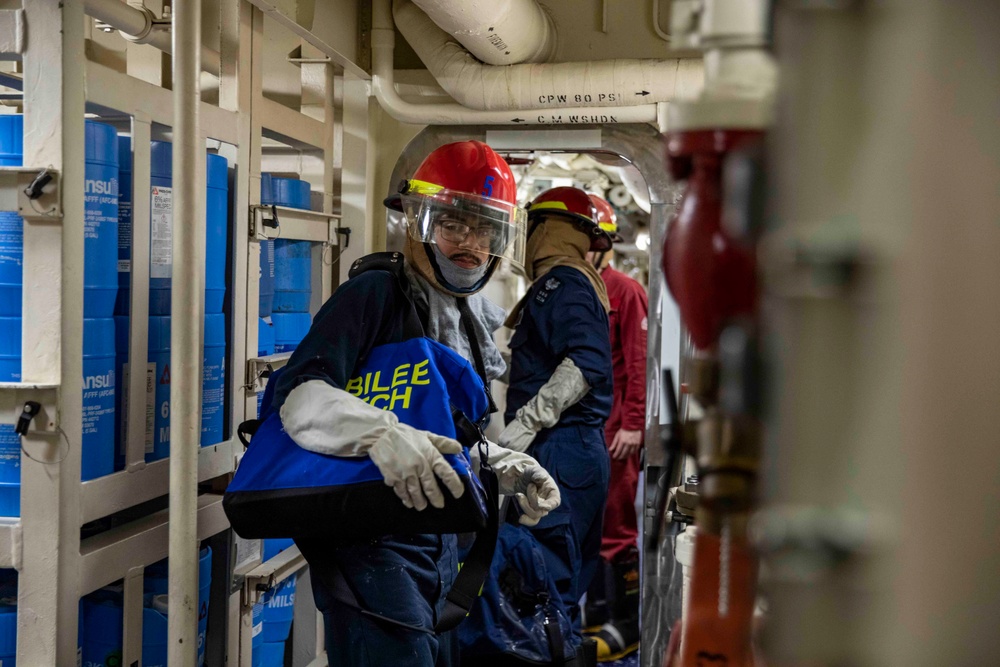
(150, 407)
(100, 205)
(98, 401)
(11, 245)
(124, 235)
(161, 230)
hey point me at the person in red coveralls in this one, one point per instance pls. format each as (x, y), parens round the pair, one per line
(612, 611)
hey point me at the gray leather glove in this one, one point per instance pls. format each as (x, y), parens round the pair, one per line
(323, 419)
(565, 388)
(521, 476)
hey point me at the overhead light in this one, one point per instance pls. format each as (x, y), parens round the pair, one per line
(642, 241)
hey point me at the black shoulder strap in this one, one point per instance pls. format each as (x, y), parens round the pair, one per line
(468, 583)
(477, 352)
(246, 430)
(393, 263)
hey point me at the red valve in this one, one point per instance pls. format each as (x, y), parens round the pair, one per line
(710, 274)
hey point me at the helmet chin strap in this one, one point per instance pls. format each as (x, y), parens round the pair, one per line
(599, 259)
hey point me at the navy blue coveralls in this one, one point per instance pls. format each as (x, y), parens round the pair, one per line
(562, 317)
(404, 578)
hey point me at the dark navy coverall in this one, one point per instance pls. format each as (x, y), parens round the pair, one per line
(402, 577)
(562, 317)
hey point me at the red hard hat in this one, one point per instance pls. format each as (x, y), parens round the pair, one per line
(471, 167)
(607, 219)
(575, 205)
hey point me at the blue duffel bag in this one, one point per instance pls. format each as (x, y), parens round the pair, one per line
(519, 617)
(283, 490)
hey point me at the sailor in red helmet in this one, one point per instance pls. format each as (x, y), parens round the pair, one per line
(560, 382)
(612, 611)
(462, 220)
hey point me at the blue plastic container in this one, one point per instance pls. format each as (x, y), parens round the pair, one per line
(10, 443)
(101, 631)
(265, 347)
(274, 546)
(158, 447)
(121, 386)
(212, 389)
(98, 396)
(100, 245)
(155, 639)
(272, 654)
(292, 259)
(155, 584)
(8, 634)
(289, 330)
(217, 215)
(213, 386)
(265, 338)
(279, 609)
(124, 225)
(11, 225)
(257, 636)
(100, 272)
(292, 276)
(161, 231)
(266, 302)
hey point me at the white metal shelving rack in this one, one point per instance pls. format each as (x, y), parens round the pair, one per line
(59, 84)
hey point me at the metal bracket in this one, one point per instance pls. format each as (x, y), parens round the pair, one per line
(33, 192)
(294, 224)
(269, 574)
(11, 543)
(296, 58)
(260, 368)
(346, 232)
(11, 34)
(14, 396)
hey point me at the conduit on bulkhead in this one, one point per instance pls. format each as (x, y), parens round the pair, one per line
(608, 83)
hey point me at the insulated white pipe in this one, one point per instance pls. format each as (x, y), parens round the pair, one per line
(383, 87)
(136, 25)
(607, 83)
(497, 32)
(127, 19)
(186, 335)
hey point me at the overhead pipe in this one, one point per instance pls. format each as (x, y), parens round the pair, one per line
(605, 83)
(186, 335)
(140, 25)
(384, 90)
(497, 32)
(665, 36)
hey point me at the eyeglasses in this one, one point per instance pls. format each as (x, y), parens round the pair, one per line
(456, 232)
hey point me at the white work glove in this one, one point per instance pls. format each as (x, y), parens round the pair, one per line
(326, 420)
(521, 476)
(517, 436)
(411, 463)
(565, 388)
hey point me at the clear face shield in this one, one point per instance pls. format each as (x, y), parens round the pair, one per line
(468, 229)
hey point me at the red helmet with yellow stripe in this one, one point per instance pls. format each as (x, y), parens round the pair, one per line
(607, 219)
(574, 205)
(464, 188)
